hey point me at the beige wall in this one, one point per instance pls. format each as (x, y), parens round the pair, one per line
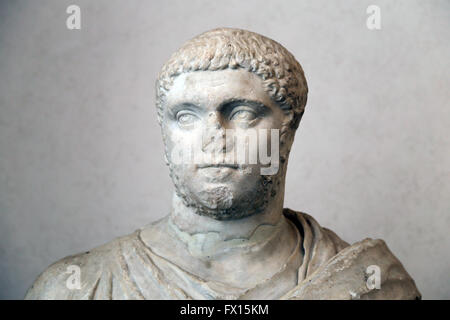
(80, 150)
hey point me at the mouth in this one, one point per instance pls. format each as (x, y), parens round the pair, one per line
(218, 165)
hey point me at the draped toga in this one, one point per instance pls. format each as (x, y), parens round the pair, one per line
(127, 268)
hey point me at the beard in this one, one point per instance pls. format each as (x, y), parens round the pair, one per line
(225, 201)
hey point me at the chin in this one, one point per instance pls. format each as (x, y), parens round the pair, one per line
(223, 201)
(220, 202)
(230, 195)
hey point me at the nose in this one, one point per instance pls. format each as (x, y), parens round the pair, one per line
(213, 139)
(214, 120)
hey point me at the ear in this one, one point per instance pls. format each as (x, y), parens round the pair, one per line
(288, 129)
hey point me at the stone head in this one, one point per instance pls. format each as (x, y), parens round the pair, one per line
(223, 92)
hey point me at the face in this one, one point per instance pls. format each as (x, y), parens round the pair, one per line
(207, 117)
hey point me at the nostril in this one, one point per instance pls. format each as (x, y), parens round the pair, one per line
(213, 121)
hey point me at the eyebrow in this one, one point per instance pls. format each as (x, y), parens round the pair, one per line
(233, 102)
(223, 106)
(173, 109)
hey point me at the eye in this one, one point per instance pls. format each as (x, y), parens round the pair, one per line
(186, 118)
(243, 114)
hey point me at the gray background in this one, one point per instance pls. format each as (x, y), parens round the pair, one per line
(81, 154)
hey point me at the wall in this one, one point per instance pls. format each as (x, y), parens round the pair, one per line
(81, 154)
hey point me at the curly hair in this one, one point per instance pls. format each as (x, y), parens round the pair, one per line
(224, 48)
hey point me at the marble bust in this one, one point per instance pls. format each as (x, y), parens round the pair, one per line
(227, 235)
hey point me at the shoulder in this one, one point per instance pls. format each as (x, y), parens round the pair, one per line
(319, 244)
(384, 276)
(76, 276)
(333, 269)
(371, 271)
(365, 270)
(309, 227)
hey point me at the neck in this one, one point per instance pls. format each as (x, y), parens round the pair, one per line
(204, 233)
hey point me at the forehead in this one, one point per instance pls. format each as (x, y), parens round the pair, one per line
(211, 87)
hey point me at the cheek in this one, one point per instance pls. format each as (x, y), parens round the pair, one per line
(264, 130)
(273, 121)
(180, 140)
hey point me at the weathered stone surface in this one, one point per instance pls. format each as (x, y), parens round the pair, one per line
(227, 235)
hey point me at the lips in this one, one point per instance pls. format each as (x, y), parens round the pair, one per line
(217, 172)
(218, 165)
